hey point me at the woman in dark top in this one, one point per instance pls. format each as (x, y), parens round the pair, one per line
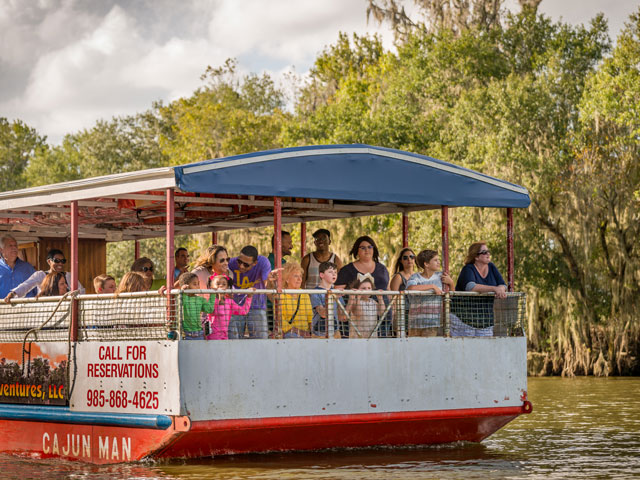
(403, 269)
(480, 275)
(366, 256)
(365, 252)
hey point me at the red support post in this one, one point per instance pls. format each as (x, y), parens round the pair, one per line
(405, 230)
(303, 239)
(277, 256)
(214, 238)
(445, 241)
(277, 236)
(136, 249)
(510, 256)
(170, 227)
(74, 269)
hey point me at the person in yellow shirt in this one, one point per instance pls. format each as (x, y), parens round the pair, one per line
(295, 308)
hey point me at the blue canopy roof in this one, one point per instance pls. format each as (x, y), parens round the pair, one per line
(350, 172)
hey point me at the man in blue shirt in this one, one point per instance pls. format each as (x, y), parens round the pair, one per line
(13, 271)
(181, 262)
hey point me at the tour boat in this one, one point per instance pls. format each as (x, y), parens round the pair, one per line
(107, 379)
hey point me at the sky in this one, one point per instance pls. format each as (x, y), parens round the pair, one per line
(64, 64)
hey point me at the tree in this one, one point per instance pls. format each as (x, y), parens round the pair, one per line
(19, 143)
(227, 116)
(119, 145)
(442, 15)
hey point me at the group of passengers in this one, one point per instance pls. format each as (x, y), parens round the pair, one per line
(223, 315)
(359, 315)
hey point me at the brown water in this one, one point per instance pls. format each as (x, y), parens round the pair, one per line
(579, 428)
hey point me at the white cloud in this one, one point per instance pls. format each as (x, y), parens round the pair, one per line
(66, 63)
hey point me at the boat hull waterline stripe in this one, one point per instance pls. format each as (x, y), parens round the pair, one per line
(64, 415)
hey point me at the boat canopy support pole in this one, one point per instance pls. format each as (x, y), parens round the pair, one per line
(170, 236)
(277, 237)
(303, 239)
(277, 257)
(445, 240)
(136, 249)
(445, 269)
(74, 269)
(510, 257)
(405, 230)
(214, 238)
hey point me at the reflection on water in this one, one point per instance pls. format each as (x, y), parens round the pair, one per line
(583, 427)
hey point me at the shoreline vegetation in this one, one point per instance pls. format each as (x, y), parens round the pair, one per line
(550, 106)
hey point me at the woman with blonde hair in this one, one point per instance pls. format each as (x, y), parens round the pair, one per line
(295, 308)
(132, 282)
(214, 260)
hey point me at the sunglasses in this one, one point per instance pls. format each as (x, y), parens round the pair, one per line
(484, 252)
(246, 265)
(408, 257)
(224, 260)
(59, 260)
(147, 269)
(366, 247)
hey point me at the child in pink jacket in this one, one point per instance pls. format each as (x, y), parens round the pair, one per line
(225, 307)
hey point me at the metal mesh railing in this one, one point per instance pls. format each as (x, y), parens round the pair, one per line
(128, 316)
(289, 314)
(28, 314)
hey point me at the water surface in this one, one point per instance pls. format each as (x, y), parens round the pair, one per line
(579, 428)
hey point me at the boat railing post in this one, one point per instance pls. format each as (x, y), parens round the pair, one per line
(170, 228)
(446, 309)
(446, 304)
(401, 299)
(330, 313)
(178, 315)
(74, 270)
(510, 259)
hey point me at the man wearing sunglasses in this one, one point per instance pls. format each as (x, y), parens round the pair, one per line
(56, 261)
(13, 271)
(251, 271)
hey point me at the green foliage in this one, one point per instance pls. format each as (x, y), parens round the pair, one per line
(228, 116)
(19, 144)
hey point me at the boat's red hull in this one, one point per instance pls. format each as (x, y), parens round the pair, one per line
(102, 444)
(335, 431)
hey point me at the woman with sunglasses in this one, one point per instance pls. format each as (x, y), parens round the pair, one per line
(402, 270)
(144, 266)
(56, 262)
(213, 261)
(479, 274)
